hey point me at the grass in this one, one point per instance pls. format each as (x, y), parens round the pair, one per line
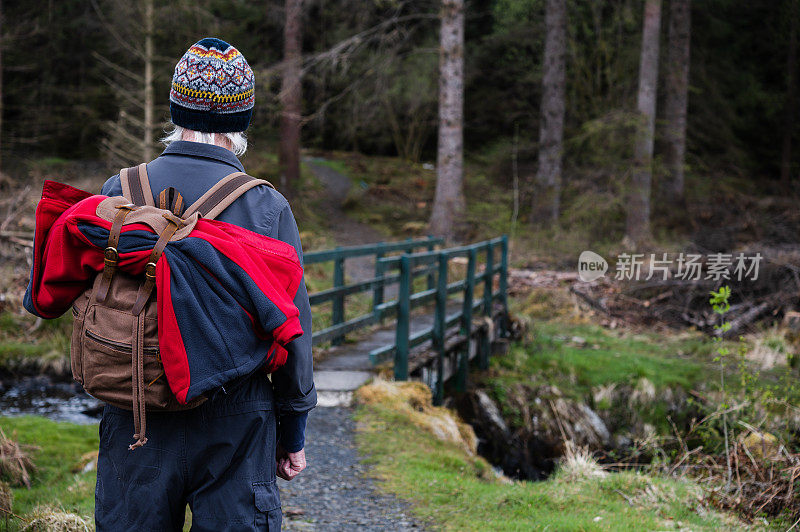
(58, 452)
(24, 346)
(584, 356)
(453, 490)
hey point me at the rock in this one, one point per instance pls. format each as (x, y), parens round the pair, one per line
(643, 394)
(491, 414)
(762, 445)
(87, 462)
(580, 423)
(577, 341)
(594, 424)
(621, 441)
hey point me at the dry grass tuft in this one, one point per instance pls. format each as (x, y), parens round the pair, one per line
(49, 519)
(578, 464)
(6, 498)
(87, 462)
(758, 477)
(414, 400)
(15, 463)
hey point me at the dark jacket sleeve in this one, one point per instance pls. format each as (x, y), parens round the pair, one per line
(294, 382)
(112, 187)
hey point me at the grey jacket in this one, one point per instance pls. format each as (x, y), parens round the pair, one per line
(192, 168)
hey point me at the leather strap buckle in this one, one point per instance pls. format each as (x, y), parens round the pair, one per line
(150, 270)
(110, 256)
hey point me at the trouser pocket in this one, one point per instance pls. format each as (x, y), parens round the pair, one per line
(267, 506)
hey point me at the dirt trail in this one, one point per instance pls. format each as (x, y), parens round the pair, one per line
(348, 232)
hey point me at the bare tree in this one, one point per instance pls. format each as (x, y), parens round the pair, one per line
(149, 103)
(791, 97)
(291, 97)
(638, 219)
(129, 139)
(677, 97)
(449, 204)
(546, 200)
(2, 28)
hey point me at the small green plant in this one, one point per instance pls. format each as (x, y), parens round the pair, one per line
(720, 302)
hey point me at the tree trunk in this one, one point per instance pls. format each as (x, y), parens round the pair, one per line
(791, 96)
(291, 98)
(149, 102)
(2, 43)
(677, 87)
(449, 204)
(551, 126)
(638, 220)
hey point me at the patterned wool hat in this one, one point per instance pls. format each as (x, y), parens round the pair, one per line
(212, 89)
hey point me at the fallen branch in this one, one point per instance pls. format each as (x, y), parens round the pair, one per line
(598, 305)
(746, 318)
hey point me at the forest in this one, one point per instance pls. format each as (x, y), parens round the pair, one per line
(637, 161)
(88, 80)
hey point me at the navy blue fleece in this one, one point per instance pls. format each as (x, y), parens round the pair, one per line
(192, 168)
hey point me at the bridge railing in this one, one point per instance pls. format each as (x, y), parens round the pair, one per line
(435, 265)
(339, 327)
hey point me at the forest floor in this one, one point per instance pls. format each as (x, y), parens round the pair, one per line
(359, 472)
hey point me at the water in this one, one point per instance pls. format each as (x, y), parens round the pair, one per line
(41, 396)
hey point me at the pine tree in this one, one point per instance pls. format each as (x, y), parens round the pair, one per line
(551, 124)
(291, 98)
(677, 98)
(638, 219)
(449, 204)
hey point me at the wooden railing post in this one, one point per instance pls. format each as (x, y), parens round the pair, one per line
(403, 311)
(431, 277)
(466, 321)
(439, 318)
(504, 282)
(488, 303)
(338, 302)
(377, 293)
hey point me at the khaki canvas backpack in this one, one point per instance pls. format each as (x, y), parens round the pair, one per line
(114, 350)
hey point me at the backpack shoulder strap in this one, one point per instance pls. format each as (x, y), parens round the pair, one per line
(136, 185)
(225, 192)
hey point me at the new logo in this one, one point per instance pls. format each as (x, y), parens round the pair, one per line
(591, 266)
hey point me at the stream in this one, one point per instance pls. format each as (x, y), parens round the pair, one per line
(42, 396)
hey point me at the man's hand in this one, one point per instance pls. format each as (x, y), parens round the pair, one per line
(289, 465)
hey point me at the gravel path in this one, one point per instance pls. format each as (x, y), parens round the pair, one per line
(335, 491)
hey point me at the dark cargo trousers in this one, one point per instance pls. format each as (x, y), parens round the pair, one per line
(219, 458)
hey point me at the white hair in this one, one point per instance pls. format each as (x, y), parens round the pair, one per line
(238, 139)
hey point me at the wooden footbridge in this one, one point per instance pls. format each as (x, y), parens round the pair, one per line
(427, 310)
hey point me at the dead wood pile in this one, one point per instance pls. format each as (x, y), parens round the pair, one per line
(678, 302)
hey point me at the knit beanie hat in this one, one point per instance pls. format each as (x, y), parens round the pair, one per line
(213, 89)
